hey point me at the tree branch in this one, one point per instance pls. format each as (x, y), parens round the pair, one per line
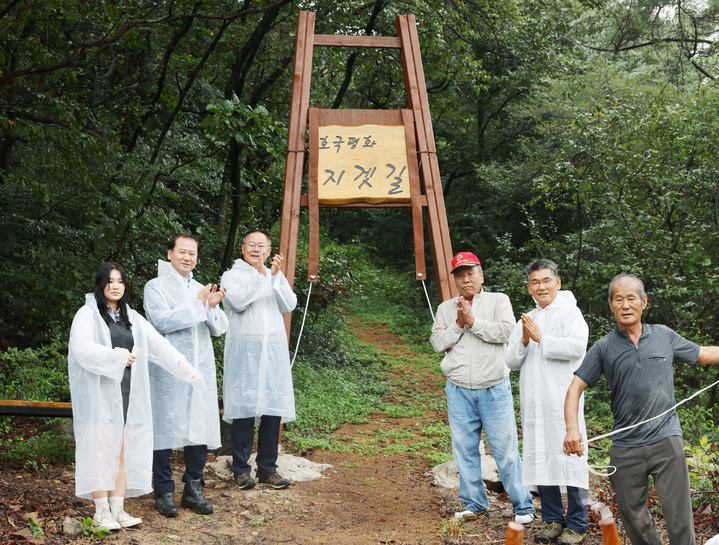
(8, 78)
(349, 69)
(701, 70)
(9, 7)
(645, 44)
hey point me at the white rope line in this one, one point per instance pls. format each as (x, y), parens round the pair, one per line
(429, 303)
(652, 418)
(599, 437)
(304, 316)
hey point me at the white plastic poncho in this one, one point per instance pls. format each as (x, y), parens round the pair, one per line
(258, 378)
(184, 415)
(546, 370)
(95, 370)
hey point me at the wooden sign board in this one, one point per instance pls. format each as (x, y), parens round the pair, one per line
(366, 163)
(363, 158)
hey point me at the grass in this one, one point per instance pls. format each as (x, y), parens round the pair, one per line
(342, 380)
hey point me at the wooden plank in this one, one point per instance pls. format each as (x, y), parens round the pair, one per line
(377, 42)
(355, 118)
(313, 199)
(418, 102)
(12, 407)
(441, 213)
(363, 160)
(297, 127)
(415, 192)
(304, 202)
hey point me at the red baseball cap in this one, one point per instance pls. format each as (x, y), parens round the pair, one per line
(465, 259)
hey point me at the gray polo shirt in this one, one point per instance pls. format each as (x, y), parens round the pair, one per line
(641, 380)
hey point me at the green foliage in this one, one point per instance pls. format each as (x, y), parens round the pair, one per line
(88, 527)
(703, 459)
(37, 530)
(36, 374)
(583, 131)
(327, 397)
(51, 443)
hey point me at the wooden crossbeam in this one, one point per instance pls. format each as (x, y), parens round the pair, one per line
(12, 407)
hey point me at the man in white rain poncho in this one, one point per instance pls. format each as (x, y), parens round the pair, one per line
(186, 313)
(547, 345)
(258, 379)
(110, 389)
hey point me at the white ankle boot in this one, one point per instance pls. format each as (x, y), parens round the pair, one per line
(117, 508)
(103, 517)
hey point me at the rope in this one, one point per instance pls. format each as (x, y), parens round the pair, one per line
(429, 303)
(654, 417)
(599, 437)
(304, 316)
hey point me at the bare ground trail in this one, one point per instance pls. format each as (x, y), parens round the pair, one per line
(383, 495)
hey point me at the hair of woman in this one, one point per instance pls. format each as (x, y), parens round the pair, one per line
(102, 279)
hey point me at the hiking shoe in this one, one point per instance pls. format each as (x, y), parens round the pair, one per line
(570, 537)
(273, 479)
(525, 518)
(192, 497)
(469, 515)
(549, 532)
(123, 518)
(103, 517)
(244, 481)
(166, 505)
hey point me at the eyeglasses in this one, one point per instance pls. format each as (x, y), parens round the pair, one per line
(253, 245)
(543, 281)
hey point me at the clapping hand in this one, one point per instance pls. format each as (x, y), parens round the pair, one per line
(276, 263)
(216, 295)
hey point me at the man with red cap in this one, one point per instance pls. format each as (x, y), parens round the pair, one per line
(472, 330)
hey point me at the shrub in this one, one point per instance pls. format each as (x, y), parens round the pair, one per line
(36, 374)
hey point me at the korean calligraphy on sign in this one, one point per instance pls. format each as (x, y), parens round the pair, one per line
(365, 163)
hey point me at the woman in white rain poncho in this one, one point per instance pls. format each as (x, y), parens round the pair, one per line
(109, 348)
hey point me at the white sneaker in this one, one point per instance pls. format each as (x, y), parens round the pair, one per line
(466, 515)
(123, 518)
(524, 519)
(103, 517)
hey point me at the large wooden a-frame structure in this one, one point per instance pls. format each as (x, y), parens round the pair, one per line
(337, 151)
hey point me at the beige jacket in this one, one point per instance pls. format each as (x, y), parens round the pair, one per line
(474, 357)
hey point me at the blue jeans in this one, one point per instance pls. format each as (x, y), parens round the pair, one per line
(492, 409)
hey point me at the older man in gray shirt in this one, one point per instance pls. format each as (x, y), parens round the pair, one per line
(472, 330)
(637, 361)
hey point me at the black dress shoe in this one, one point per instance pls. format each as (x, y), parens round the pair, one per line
(166, 505)
(192, 497)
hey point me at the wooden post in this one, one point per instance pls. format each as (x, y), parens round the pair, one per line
(419, 104)
(295, 165)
